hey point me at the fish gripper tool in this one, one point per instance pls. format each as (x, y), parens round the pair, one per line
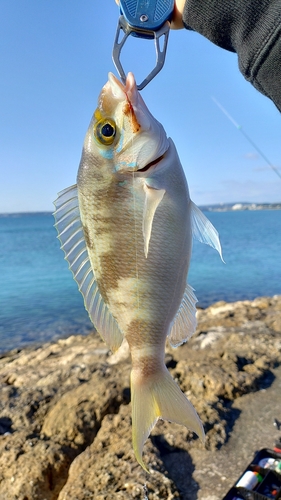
(148, 19)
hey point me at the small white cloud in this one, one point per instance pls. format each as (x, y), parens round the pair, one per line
(265, 168)
(252, 156)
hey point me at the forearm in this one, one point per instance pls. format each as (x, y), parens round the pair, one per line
(252, 28)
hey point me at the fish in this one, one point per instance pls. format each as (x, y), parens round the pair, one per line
(126, 228)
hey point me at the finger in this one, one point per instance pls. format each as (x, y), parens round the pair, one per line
(176, 23)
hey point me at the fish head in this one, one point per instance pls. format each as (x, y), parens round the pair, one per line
(123, 130)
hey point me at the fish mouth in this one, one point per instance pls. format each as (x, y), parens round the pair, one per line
(151, 164)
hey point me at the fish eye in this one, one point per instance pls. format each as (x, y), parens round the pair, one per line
(105, 131)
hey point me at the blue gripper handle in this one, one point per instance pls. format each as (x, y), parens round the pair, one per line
(147, 15)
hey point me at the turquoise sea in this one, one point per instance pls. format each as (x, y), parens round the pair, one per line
(39, 300)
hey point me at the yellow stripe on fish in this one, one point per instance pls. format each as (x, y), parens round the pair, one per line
(126, 230)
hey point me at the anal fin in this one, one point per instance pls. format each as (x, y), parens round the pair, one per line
(184, 324)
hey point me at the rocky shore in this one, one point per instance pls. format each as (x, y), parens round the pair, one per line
(65, 413)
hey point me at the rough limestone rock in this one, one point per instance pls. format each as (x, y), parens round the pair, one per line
(65, 413)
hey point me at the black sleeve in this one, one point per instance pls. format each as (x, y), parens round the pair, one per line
(252, 28)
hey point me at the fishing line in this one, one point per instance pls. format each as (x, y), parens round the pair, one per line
(136, 243)
(135, 217)
(239, 127)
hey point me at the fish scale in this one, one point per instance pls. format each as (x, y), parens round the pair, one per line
(126, 231)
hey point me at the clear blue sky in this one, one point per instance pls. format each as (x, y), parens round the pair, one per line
(55, 56)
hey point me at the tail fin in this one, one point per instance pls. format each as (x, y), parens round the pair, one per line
(158, 396)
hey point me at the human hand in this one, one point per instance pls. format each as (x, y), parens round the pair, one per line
(176, 23)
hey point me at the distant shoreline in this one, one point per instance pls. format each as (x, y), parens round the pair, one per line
(240, 207)
(222, 207)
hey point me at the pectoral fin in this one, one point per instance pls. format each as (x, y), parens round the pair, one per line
(152, 199)
(203, 230)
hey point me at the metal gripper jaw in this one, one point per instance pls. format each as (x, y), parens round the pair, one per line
(144, 19)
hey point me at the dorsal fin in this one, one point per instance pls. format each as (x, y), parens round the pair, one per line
(184, 324)
(71, 235)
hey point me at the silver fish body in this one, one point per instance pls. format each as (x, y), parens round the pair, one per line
(126, 230)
